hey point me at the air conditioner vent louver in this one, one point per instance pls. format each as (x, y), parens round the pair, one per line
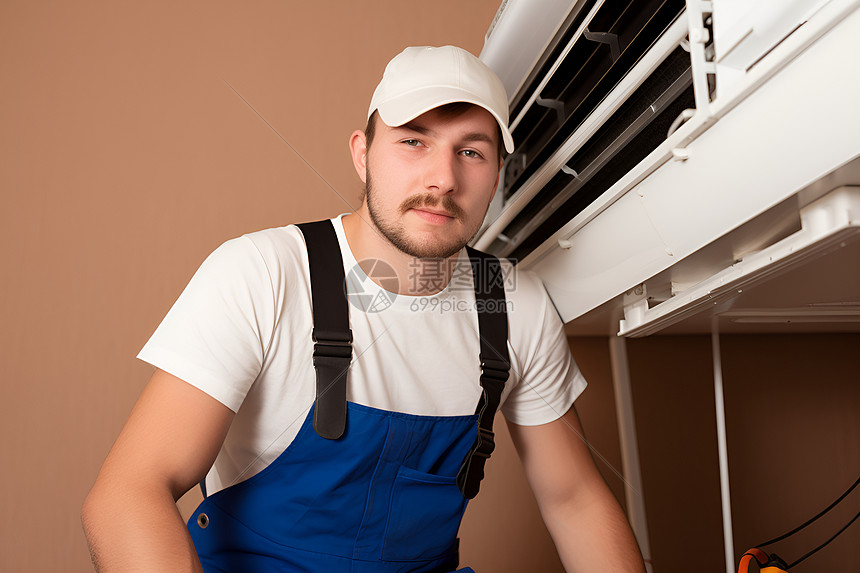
(620, 32)
(639, 126)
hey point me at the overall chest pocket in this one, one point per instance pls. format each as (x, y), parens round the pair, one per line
(424, 516)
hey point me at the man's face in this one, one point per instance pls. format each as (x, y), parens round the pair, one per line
(430, 181)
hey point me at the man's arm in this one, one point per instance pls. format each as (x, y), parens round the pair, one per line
(586, 523)
(167, 445)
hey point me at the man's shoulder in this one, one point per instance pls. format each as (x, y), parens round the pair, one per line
(524, 289)
(276, 246)
(286, 235)
(257, 256)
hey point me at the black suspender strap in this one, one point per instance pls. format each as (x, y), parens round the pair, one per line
(331, 334)
(495, 364)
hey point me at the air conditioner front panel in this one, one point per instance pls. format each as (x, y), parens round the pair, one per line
(795, 129)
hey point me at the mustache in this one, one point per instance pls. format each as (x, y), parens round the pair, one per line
(431, 200)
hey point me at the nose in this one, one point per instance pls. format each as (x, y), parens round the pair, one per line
(440, 175)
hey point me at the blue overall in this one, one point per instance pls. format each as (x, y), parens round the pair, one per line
(383, 497)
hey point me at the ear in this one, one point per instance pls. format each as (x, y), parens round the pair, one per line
(358, 150)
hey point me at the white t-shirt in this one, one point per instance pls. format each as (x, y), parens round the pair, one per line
(241, 332)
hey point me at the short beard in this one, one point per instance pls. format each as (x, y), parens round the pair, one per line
(396, 234)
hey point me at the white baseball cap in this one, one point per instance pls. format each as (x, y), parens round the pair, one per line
(419, 79)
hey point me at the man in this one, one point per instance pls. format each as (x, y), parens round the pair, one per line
(346, 437)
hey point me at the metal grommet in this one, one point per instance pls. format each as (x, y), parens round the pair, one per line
(203, 521)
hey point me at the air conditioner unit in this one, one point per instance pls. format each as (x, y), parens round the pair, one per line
(671, 155)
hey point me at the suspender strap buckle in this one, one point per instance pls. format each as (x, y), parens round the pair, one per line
(485, 444)
(332, 355)
(494, 370)
(494, 374)
(332, 344)
(472, 471)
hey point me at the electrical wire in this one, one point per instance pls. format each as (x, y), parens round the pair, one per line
(796, 529)
(853, 519)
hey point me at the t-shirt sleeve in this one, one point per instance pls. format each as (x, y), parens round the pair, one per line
(547, 377)
(216, 334)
